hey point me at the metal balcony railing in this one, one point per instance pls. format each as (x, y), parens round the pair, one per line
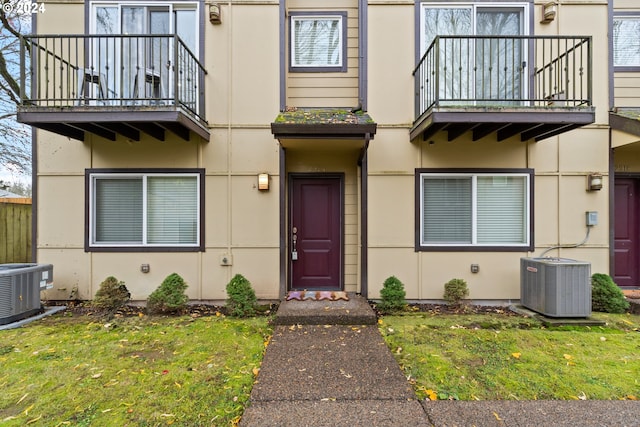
(111, 71)
(504, 71)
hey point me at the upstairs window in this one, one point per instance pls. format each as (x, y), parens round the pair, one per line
(626, 42)
(318, 42)
(486, 210)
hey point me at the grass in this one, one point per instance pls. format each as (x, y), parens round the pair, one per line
(487, 357)
(140, 371)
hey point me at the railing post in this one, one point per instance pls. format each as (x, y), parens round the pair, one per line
(176, 70)
(436, 94)
(23, 63)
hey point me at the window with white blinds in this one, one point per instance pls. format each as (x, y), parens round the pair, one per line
(626, 41)
(145, 209)
(474, 209)
(318, 42)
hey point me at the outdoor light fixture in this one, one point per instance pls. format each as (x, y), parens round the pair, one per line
(549, 11)
(214, 13)
(263, 182)
(594, 182)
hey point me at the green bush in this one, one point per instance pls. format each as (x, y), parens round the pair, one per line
(170, 297)
(111, 295)
(606, 296)
(393, 295)
(241, 298)
(455, 290)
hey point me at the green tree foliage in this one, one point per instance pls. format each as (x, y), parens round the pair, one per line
(393, 295)
(170, 297)
(241, 298)
(606, 296)
(455, 290)
(112, 295)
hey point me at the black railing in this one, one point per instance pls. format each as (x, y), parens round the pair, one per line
(504, 71)
(111, 71)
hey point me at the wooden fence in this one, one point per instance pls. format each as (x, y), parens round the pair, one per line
(15, 230)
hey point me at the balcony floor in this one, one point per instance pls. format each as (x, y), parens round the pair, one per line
(110, 121)
(536, 123)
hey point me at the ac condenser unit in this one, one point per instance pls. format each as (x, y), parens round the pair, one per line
(20, 286)
(556, 287)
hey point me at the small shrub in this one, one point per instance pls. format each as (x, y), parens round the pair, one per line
(606, 296)
(455, 290)
(241, 298)
(393, 295)
(112, 295)
(170, 297)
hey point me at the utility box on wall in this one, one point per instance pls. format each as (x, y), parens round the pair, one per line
(556, 287)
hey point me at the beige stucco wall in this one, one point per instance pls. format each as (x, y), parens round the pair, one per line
(561, 165)
(243, 223)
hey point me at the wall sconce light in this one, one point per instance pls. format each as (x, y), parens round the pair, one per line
(549, 11)
(215, 13)
(263, 182)
(594, 182)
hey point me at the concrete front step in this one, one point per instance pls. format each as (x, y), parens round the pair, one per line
(356, 311)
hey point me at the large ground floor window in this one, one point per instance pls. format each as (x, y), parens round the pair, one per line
(483, 209)
(148, 209)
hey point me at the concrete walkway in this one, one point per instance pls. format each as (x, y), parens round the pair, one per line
(326, 374)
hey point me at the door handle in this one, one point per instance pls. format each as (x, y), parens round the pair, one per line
(294, 241)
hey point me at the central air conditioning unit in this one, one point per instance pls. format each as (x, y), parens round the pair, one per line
(556, 287)
(20, 286)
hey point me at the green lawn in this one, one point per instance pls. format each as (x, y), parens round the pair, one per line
(139, 371)
(70, 370)
(484, 357)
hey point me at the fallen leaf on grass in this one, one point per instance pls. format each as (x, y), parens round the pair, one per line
(34, 420)
(256, 371)
(516, 355)
(631, 397)
(432, 395)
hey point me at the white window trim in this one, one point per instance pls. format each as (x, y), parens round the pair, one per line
(144, 176)
(622, 17)
(341, 17)
(172, 5)
(474, 8)
(474, 213)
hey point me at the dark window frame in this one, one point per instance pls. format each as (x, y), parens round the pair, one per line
(342, 68)
(623, 68)
(419, 247)
(89, 247)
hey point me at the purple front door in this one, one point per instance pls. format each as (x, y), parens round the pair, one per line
(315, 232)
(627, 240)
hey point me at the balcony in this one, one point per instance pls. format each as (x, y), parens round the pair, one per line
(110, 85)
(533, 87)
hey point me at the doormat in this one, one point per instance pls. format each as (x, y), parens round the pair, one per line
(317, 295)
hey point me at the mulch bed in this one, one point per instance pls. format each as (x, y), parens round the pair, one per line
(83, 308)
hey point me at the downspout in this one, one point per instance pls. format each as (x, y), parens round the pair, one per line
(364, 220)
(34, 162)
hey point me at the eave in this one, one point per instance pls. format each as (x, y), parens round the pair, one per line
(625, 120)
(323, 123)
(527, 123)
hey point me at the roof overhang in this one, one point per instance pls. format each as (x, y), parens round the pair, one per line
(323, 123)
(625, 120)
